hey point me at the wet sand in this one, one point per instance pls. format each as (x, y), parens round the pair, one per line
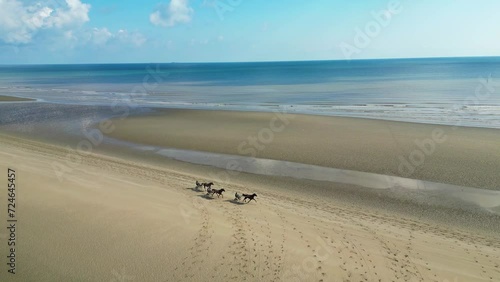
(13, 99)
(445, 154)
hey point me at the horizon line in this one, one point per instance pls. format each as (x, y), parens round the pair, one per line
(263, 61)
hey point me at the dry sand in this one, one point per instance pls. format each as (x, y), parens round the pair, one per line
(13, 99)
(120, 220)
(468, 156)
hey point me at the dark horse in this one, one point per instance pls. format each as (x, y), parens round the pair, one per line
(207, 185)
(251, 197)
(218, 192)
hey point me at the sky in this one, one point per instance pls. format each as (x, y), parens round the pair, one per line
(125, 31)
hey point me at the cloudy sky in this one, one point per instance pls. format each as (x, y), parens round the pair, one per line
(112, 31)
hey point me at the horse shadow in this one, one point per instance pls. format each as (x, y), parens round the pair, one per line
(234, 202)
(206, 197)
(195, 189)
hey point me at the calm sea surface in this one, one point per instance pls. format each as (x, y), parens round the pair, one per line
(456, 91)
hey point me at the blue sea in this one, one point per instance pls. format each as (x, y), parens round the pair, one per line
(455, 91)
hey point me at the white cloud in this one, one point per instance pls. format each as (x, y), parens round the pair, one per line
(19, 22)
(59, 22)
(57, 25)
(177, 11)
(103, 36)
(76, 13)
(100, 36)
(134, 38)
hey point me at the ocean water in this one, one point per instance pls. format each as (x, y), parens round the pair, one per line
(455, 91)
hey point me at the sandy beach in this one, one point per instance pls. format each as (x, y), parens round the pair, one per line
(253, 141)
(125, 217)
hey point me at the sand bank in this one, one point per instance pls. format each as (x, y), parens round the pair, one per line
(13, 99)
(454, 155)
